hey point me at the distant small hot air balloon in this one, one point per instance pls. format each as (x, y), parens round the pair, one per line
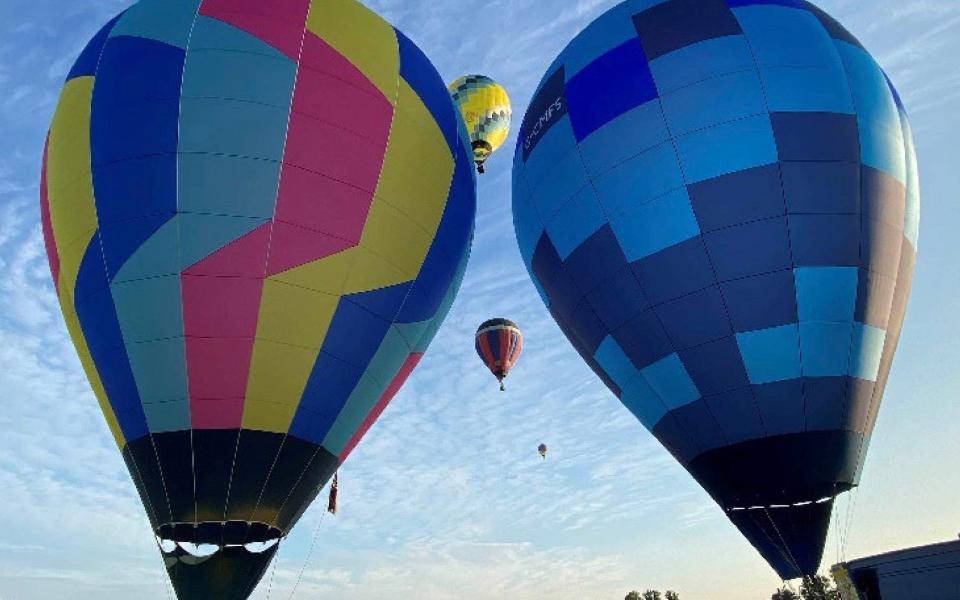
(485, 108)
(542, 449)
(499, 342)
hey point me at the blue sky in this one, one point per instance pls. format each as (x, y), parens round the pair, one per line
(446, 496)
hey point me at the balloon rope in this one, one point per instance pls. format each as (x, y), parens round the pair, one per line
(851, 513)
(273, 572)
(782, 540)
(316, 535)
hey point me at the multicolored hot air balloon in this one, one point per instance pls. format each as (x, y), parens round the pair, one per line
(485, 108)
(542, 449)
(718, 202)
(257, 215)
(499, 343)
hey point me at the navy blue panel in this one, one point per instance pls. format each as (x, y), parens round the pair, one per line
(880, 245)
(585, 324)
(874, 298)
(618, 299)
(643, 339)
(825, 240)
(493, 341)
(564, 294)
(825, 400)
(355, 334)
(383, 302)
(91, 277)
(101, 329)
(762, 301)
(545, 110)
(816, 136)
(822, 187)
(701, 425)
(859, 398)
(136, 188)
(121, 240)
(675, 271)
(678, 23)
(750, 249)
(716, 366)
(417, 70)
(142, 129)
(134, 69)
(834, 28)
(781, 406)
(883, 198)
(675, 438)
(737, 415)
(748, 195)
(546, 261)
(584, 352)
(608, 87)
(86, 63)
(596, 259)
(789, 3)
(695, 319)
(330, 383)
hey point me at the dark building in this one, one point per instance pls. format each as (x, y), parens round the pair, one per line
(923, 573)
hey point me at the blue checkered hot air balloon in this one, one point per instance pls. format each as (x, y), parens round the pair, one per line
(718, 202)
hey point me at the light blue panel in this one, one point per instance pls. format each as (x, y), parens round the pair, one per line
(656, 225)
(703, 60)
(227, 185)
(202, 235)
(159, 369)
(615, 362)
(209, 33)
(633, 132)
(640, 180)
(867, 350)
(567, 178)
(213, 125)
(670, 380)
(577, 220)
(412, 333)
(149, 309)
(727, 148)
(643, 402)
(825, 348)
(237, 75)
(911, 218)
(826, 293)
(167, 21)
(156, 256)
(526, 220)
(771, 354)
(552, 147)
(167, 416)
(807, 89)
(389, 358)
(785, 37)
(713, 101)
(881, 133)
(606, 33)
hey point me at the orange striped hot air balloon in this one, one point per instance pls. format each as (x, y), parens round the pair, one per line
(498, 343)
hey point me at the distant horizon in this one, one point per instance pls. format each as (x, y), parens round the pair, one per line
(447, 496)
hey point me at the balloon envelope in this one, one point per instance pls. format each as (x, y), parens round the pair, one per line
(498, 343)
(718, 202)
(485, 109)
(257, 215)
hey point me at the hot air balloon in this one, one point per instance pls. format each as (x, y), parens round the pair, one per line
(498, 343)
(257, 215)
(718, 202)
(542, 449)
(485, 108)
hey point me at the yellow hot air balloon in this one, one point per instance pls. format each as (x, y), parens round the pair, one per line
(485, 108)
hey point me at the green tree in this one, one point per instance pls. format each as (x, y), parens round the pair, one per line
(671, 596)
(818, 587)
(785, 593)
(652, 595)
(634, 595)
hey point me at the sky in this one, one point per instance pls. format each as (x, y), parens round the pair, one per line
(446, 497)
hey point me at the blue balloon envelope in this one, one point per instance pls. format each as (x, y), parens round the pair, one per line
(718, 202)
